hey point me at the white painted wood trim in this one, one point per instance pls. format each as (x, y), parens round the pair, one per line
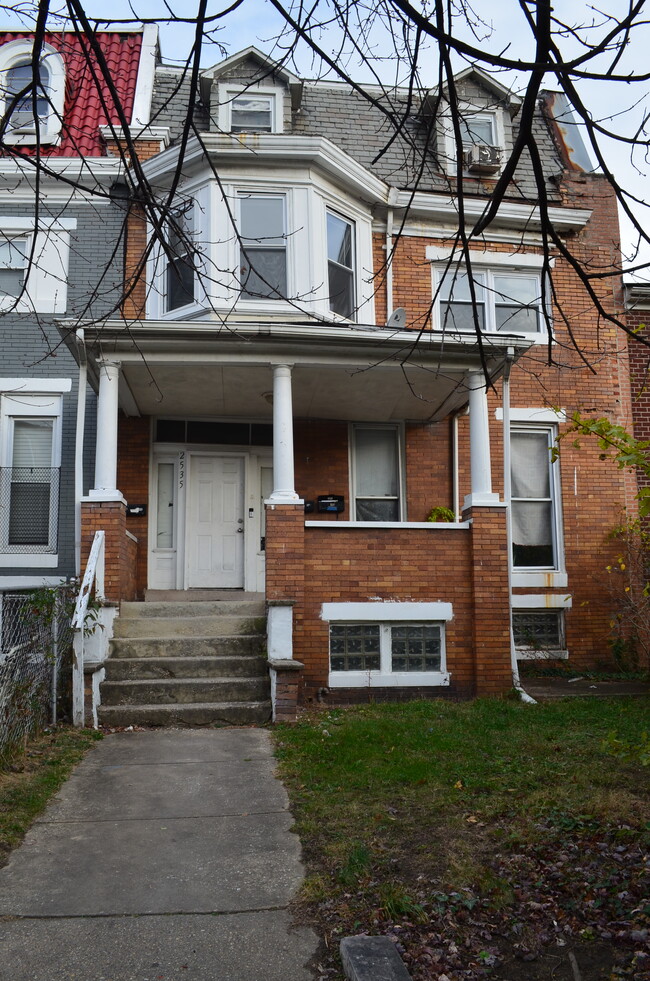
(383, 612)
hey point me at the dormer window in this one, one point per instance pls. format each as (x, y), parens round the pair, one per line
(481, 148)
(250, 113)
(253, 109)
(32, 107)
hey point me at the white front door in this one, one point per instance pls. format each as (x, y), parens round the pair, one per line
(215, 530)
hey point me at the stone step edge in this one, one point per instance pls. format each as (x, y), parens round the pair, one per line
(191, 637)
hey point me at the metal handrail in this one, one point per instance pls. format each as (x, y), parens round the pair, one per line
(93, 576)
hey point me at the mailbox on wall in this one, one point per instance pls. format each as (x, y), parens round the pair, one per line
(331, 503)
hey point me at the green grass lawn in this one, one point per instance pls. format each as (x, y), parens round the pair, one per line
(431, 814)
(31, 777)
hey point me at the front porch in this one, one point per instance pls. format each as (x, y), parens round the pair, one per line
(269, 495)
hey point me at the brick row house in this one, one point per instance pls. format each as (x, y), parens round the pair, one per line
(294, 385)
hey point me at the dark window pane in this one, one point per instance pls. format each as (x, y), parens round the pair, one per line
(29, 515)
(264, 273)
(354, 647)
(180, 284)
(170, 430)
(341, 291)
(261, 434)
(377, 510)
(460, 316)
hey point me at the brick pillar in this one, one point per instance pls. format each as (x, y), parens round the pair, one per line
(120, 554)
(285, 582)
(491, 594)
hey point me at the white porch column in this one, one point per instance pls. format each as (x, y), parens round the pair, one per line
(479, 444)
(105, 488)
(283, 477)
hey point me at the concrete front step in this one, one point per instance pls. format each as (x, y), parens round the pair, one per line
(187, 647)
(224, 666)
(169, 691)
(244, 608)
(214, 626)
(208, 714)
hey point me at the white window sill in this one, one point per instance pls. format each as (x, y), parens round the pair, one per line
(28, 560)
(524, 654)
(398, 679)
(536, 578)
(428, 525)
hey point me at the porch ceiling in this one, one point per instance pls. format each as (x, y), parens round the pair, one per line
(380, 392)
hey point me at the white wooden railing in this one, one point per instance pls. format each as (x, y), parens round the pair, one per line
(93, 576)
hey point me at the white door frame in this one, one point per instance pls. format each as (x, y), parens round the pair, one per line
(254, 460)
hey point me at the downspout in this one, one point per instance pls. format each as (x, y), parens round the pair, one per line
(507, 494)
(79, 447)
(392, 201)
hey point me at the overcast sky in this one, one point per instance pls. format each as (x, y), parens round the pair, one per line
(257, 22)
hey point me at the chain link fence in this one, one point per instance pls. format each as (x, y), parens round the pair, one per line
(35, 645)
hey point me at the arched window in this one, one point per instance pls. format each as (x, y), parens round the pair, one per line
(31, 113)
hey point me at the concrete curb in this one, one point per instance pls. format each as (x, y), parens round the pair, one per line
(372, 959)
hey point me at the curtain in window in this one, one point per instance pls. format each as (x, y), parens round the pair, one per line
(377, 474)
(532, 508)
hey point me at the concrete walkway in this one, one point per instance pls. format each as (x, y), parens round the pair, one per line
(167, 856)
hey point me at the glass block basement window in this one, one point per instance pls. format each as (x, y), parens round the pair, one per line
(354, 647)
(415, 647)
(539, 631)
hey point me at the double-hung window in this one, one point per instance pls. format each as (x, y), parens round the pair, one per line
(340, 266)
(478, 129)
(263, 246)
(498, 300)
(376, 473)
(252, 113)
(534, 499)
(179, 290)
(29, 477)
(13, 261)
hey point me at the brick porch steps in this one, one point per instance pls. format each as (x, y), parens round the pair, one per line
(187, 662)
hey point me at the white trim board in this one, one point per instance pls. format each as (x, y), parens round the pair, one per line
(380, 611)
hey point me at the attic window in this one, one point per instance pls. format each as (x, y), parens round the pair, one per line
(33, 105)
(251, 113)
(481, 150)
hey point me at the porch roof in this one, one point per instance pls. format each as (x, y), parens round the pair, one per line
(339, 371)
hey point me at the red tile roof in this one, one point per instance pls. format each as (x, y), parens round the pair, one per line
(88, 101)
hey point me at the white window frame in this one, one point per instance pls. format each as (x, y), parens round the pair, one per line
(48, 132)
(352, 268)
(446, 264)
(228, 94)
(387, 615)
(47, 249)
(550, 430)
(14, 407)
(256, 193)
(396, 428)
(467, 110)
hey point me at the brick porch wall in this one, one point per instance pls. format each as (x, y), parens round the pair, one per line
(119, 551)
(134, 437)
(464, 567)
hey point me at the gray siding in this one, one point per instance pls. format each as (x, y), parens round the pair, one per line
(32, 347)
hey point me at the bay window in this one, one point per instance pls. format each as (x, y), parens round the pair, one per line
(340, 266)
(263, 246)
(179, 287)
